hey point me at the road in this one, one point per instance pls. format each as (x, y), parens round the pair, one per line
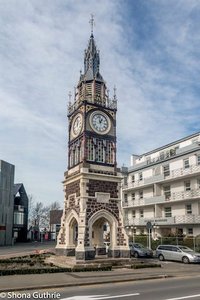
(162, 289)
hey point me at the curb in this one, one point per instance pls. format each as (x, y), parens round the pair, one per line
(83, 283)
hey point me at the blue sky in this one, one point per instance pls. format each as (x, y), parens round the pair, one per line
(149, 49)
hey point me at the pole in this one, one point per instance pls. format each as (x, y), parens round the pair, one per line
(149, 238)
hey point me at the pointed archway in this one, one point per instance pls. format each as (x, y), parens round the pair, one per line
(96, 231)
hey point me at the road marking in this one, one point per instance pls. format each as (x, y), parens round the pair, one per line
(184, 297)
(97, 297)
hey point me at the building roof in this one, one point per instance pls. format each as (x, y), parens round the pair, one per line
(170, 144)
(16, 188)
(55, 216)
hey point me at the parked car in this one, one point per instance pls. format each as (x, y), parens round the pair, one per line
(138, 250)
(177, 253)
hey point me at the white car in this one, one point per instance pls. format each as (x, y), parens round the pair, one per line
(177, 253)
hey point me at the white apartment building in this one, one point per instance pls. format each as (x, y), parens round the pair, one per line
(163, 187)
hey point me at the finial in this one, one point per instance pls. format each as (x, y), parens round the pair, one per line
(92, 23)
(70, 96)
(114, 89)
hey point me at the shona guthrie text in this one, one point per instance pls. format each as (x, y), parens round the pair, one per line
(34, 295)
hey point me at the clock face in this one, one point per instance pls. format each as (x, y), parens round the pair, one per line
(77, 124)
(100, 122)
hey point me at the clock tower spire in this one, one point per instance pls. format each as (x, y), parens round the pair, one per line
(92, 183)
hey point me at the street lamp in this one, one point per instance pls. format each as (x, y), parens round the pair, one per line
(131, 230)
(155, 226)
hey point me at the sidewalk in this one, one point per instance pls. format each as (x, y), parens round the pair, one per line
(40, 281)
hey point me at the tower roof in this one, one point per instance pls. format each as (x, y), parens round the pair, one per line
(91, 62)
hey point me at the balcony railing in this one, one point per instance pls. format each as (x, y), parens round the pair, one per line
(192, 194)
(183, 219)
(184, 195)
(183, 172)
(193, 169)
(144, 201)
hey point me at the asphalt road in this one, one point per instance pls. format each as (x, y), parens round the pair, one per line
(162, 289)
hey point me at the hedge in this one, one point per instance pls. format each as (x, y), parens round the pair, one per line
(140, 266)
(52, 270)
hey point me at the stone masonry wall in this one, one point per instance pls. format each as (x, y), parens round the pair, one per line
(103, 187)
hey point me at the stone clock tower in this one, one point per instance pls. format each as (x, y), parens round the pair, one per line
(92, 184)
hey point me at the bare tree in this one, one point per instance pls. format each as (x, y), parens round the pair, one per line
(55, 205)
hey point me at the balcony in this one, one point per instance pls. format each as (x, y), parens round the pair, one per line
(144, 201)
(174, 174)
(192, 194)
(193, 169)
(161, 221)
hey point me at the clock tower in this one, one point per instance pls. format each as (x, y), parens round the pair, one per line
(92, 184)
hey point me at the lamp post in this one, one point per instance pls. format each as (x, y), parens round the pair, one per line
(155, 226)
(131, 233)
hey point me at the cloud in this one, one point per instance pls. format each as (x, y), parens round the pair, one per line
(148, 49)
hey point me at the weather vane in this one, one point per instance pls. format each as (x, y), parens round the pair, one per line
(92, 23)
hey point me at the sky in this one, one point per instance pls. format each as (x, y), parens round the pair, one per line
(149, 49)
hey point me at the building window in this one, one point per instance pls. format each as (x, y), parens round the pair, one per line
(189, 209)
(133, 178)
(133, 196)
(125, 198)
(140, 176)
(166, 171)
(168, 212)
(140, 194)
(190, 231)
(125, 180)
(133, 213)
(162, 155)
(198, 183)
(18, 218)
(167, 192)
(198, 159)
(148, 160)
(187, 186)
(186, 163)
(141, 213)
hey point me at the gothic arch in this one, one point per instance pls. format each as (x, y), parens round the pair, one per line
(99, 218)
(70, 223)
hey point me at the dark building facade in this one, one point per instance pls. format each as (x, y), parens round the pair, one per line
(6, 202)
(20, 220)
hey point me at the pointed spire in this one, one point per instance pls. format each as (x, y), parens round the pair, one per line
(92, 23)
(92, 59)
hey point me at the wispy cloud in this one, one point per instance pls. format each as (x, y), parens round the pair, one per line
(149, 49)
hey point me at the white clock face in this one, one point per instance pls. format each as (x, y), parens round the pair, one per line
(100, 122)
(77, 124)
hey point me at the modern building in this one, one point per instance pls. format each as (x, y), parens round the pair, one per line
(163, 187)
(6, 203)
(20, 221)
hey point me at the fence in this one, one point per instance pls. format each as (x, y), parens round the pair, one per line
(191, 242)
